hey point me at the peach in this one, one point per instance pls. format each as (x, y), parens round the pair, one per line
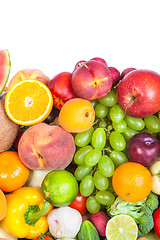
(28, 73)
(91, 80)
(46, 147)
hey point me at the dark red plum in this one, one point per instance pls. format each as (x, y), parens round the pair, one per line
(125, 71)
(115, 75)
(143, 148)
(98, 59)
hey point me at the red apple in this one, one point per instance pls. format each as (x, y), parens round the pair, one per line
(138, 93)
(61, 89)
(92, 80)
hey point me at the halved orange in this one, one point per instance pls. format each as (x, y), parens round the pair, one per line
(28, 102)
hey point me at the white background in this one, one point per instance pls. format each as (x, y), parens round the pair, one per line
(53, 35)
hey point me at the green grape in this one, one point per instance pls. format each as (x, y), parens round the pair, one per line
(81, 153)
(110, 187)
(100, 182)
(101, 111)
(116, 113)
(128, 133)
(108, 115)
(83, 138)
(92, 205)
(105, 197)
(106, 166)
(152, 123)
(120, 127)
(82, 171)
(98, 140)
(94, 102)
(86, 186)
(117, 141)
(135, 123)
(102, 124)
(109, 100)
(92, 157)
(118, 158)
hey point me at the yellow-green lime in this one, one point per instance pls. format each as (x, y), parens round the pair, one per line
(121, 227)
(59, 187)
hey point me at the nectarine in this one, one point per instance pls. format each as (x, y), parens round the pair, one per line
(91, 80)
(28, 74)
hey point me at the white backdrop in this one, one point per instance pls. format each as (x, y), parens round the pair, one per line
(53, 35)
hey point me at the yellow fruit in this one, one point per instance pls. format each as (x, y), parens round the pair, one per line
(28, 102)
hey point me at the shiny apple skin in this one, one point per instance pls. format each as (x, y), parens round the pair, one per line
(61, 89)
(138, 93)
(143, 148)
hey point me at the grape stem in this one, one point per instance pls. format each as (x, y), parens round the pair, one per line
(108, 149)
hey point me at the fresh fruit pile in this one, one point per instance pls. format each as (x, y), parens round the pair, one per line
(79, 153)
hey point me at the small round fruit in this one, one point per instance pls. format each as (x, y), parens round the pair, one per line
(13, 173)
(132, 181)
(3, 204)
(77, 115)
(59, 187)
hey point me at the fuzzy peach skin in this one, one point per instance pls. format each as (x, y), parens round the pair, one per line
(46, 147)
(28, 74)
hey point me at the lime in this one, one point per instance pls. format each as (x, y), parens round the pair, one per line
(59, 187)
(121, 227)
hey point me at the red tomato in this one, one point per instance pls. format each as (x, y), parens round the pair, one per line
(79, 204)
(43, 237)
(156, 218)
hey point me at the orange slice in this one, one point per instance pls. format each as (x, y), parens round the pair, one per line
(28, 102)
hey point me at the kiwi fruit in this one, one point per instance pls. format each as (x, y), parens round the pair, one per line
(8, 129)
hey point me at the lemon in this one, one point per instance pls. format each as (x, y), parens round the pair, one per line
(122, 227)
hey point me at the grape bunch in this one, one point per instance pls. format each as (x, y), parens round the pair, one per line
(102, 148)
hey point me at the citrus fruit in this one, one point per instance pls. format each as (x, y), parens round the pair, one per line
(121, 227)
(77, 115)
(132, 181)
(3, 204)
(28, 102)
(13, 173)
(59, 187)
(142, 238)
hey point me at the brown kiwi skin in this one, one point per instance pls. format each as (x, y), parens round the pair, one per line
(8, 129)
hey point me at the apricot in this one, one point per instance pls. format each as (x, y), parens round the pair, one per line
(28, 74)
(77, 115)
(46, 147)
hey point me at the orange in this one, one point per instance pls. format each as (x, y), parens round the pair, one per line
(142, 238)
(13, 173)
(3, 205)
(132, 181)
(77, 115)
(28, 102)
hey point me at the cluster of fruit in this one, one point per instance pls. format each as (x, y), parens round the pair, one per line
(100, 125)
(102, 148)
